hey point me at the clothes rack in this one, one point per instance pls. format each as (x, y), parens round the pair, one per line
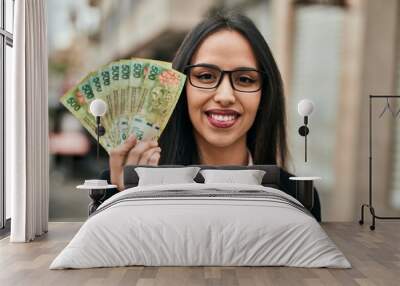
(370, 205)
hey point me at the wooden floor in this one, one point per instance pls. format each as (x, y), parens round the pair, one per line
(375, 257)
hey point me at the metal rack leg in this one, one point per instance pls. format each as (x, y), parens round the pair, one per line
(361, 221)
(374, 216)
(372, 210)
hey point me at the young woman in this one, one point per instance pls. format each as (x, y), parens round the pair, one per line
(231, 111)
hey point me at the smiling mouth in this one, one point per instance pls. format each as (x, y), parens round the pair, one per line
(222, 118)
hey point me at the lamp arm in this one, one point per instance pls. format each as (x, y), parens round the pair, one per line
(305, 143)
(98, 136)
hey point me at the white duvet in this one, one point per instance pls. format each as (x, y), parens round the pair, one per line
(187, 230)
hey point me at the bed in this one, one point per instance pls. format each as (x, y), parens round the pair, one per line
(201, 224)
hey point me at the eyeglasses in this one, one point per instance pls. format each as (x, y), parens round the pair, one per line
(207, 76)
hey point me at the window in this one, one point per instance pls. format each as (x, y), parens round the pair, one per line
(6, 45)
(316, 70)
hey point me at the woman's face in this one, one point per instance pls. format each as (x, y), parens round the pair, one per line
(222, 116)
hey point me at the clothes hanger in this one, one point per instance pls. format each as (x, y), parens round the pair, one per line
(387, 107)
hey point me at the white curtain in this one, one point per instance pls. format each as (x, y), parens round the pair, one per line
(27, 167)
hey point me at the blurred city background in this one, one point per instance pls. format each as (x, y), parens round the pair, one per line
(333, 52)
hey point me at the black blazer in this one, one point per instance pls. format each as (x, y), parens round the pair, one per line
(287, 186)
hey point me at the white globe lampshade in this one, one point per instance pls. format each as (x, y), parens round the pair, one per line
(98, 107)
(305, 107)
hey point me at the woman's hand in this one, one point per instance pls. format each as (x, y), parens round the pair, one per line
(132, 152)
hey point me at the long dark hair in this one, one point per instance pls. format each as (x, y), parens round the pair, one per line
(266, 139)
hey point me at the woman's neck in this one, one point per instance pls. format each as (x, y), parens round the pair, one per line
(235, 154)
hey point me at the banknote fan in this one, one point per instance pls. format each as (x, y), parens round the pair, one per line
(140, 95)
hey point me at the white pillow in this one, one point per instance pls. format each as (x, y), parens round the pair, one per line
(249, 177)
(162, 176)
